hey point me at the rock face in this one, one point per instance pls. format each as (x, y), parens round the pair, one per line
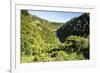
(78, 26)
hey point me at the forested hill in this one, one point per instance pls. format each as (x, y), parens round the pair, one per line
(78, 26)
(53, 26)
(39, 43)
(36, 37)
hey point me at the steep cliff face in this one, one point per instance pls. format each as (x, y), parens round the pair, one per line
(78, 26)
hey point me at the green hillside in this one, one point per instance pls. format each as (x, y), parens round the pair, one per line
(36, 38)
(78, 26)
(39, 42)
(53, 26)
(77, 30)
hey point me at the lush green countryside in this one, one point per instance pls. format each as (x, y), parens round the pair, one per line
(44, 41)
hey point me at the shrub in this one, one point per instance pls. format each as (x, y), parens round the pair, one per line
(76, 43)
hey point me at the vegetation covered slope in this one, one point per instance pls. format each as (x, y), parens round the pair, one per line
(53, 26)
(40, 44)
(36, 38)
(76, 33)
(78, 26)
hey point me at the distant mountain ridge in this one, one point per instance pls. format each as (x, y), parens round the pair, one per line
(54, 26)
(78, 26)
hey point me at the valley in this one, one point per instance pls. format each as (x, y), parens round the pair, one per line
(46, 41)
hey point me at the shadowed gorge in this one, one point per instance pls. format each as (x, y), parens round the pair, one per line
(78, 26)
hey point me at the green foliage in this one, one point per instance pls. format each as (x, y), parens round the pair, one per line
(65, 56)
(26, 59)
(25, 12)
(36, 38)
(77, 43)
(40, 44)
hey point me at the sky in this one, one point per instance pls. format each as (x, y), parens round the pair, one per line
(55, 16)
